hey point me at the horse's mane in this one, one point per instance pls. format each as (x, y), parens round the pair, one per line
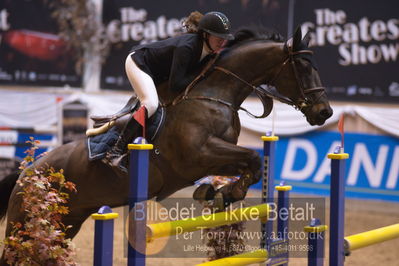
(253, 33)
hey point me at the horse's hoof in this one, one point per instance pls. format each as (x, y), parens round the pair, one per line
(204, 192)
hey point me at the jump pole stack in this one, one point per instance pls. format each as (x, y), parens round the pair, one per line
(341, 246)
(316, 231)
(138, 194)
(104, 236)
(278, 248)
(337, 207)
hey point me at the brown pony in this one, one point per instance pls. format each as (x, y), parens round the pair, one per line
(200, 132)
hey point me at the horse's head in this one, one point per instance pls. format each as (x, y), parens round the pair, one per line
(260, 57)
(297, 78)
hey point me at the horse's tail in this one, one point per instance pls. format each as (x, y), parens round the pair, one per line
(6, 186)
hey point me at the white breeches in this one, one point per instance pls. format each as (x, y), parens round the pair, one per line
(143, 85)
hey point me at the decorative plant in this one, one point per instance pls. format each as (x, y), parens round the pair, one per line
(40, 238)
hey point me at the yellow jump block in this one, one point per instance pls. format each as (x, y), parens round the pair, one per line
(269, 138)
(140, 146)
(105, 216)
(338, 156)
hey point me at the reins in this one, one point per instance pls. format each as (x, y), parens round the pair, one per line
(303, 102)
(185, 96)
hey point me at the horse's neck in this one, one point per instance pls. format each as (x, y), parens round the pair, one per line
(253, 65)
(256, 62)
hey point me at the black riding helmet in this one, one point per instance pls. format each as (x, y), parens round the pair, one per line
(217, 24)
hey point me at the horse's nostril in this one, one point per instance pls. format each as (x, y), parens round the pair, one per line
(325, 113)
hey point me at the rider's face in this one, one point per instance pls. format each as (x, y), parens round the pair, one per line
(215, 43)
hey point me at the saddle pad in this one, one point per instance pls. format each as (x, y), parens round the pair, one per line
(98, 145)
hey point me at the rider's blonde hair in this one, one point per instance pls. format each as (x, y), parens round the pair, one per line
(190, 24)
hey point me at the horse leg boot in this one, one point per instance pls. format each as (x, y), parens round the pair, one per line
(204, 192)
(235, 191)
(117, 156)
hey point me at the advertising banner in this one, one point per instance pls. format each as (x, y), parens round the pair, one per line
(356, 47)
(31, 52)
(13, 144)
(130, 23)
(372, 170)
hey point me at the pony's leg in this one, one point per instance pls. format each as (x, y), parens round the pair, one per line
(224, 158)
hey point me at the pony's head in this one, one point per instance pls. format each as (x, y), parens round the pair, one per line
(262, 57)
(297, 78)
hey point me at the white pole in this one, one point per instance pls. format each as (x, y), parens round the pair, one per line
(92, 58)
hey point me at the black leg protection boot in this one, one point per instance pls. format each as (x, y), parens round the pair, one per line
(117, 156)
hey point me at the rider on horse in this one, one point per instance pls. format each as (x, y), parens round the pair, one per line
(174, 60)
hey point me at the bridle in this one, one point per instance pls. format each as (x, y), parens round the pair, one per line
(301, 103)
(304, 101)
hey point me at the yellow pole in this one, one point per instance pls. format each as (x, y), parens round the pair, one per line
(206, 221)
(256, 256)
(372, 237)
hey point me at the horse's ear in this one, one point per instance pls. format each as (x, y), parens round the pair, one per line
(297, 38)
(288, 44)
(306, 39)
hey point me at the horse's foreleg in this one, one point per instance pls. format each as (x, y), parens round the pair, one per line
(224, 158)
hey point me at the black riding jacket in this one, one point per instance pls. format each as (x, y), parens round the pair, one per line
(174, 59)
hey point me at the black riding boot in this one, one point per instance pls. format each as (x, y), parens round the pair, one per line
(117, 156)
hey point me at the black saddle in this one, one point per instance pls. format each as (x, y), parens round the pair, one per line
(131, 106)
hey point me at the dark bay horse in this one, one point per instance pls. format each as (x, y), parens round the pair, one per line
(200, 132)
